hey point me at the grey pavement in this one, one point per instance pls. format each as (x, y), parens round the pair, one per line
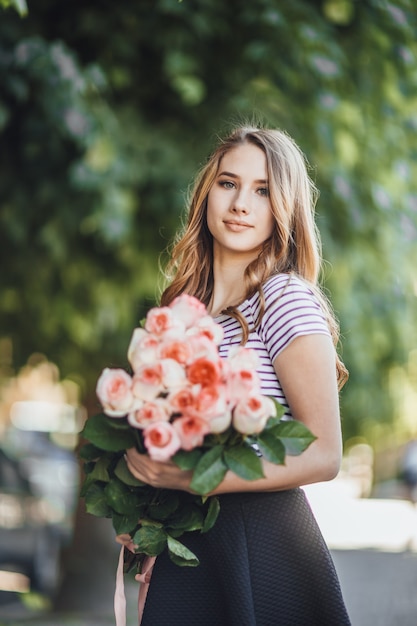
(380, 588)
(373, 543)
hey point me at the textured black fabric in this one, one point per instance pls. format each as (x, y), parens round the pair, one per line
(264, 563)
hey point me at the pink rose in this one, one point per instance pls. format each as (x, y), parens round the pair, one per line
(114, 390)
(243, 358)
(161, 320)
(173, 374)
(205, 372)
(191, 431)
(210, 401)
(188, 309)
(220, 423)
(242, 377)
(148, 381)
(148, 413)
(211, 404)
(241, 383)
(181, 401)
(207, 327)
(161, 441)
(251, 414)
(207, 403)
(202, 347)
(179, 351)
(142, 348)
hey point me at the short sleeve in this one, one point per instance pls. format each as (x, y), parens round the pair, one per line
(291, 310)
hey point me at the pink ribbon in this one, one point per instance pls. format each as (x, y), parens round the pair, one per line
(144, 578)
(119, 594)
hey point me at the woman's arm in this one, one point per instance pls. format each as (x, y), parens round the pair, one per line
(307, 373)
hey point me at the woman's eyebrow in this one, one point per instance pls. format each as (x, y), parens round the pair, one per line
(260, 181)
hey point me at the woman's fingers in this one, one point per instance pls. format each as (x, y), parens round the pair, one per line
(156, 473)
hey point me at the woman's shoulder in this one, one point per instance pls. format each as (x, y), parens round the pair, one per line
(282, 287)
(279, 290)
(291, 309)
(287, 299)
(286, 282)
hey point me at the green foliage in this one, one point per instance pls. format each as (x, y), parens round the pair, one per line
(209, 471)
(154, 518)
(179, 553)
(105, 113)
(293, 435)
(152, 539)
(108, 434)
(19, 5)
(244, 462)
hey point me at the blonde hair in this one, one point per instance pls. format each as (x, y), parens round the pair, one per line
(294, 246)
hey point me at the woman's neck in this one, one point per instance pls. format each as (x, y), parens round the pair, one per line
(229, 285)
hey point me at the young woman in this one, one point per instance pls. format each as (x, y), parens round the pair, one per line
(251, 253)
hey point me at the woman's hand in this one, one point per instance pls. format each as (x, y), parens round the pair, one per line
(155, 473)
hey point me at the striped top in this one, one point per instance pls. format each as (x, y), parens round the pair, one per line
(291, 310)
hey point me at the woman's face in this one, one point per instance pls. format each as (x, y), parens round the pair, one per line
(239, 215)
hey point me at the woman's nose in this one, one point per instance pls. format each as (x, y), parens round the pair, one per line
(241, 202)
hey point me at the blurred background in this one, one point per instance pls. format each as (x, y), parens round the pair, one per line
(106, 112)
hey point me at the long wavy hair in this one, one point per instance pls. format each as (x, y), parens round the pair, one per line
(293, 248)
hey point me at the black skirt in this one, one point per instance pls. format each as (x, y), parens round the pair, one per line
(264, 563)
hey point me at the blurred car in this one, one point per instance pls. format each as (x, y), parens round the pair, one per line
(28, 542)
(39, 484)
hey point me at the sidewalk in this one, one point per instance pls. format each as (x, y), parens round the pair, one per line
(347, 522)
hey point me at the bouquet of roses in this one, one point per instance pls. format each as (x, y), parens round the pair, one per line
(181, 402)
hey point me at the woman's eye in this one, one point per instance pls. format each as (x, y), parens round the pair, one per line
(227, 184)
(263, 191)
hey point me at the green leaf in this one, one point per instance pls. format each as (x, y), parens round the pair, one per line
(125, 523)
(149, 522)
(107, 433)
(96, 472)
(89, 452)
(85, 487)
(167, 502)
(212, 514)
(226, 436)
(244, 462)
(100, 469)
(209, 471)
(122, 499)
(271, 423)
(187, 518)
(95, 501)
(271, 447)
(119, 423)
(122, 472)
(187, 460)
(180, 554)
(89, 466)
(295, 436)
(151, 539)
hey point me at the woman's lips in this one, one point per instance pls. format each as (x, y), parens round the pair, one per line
(237, 227)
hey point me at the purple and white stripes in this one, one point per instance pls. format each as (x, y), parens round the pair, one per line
(291, 310)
